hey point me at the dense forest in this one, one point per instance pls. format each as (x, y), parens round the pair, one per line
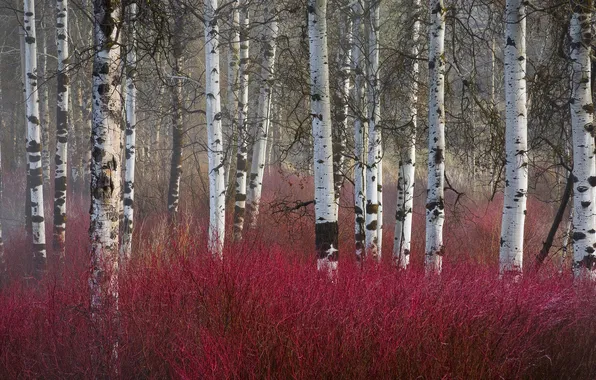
(297, 189)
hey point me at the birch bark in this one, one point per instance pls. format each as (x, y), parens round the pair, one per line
(407, 162)
(242, 136)
(217, 188)
(582, 124)
(131, 122)
(62, 126)
(326, 231)
(34, 161)
(435, 207)
(268, 46)
(516, 145)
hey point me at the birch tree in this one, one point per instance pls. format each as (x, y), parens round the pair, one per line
(360, 127)
(176, 100)
(326, 230)
(516, 145)
(231, 109)
(131, 121)
(105, 163)
(267, 38)
(374, 133)
(34, 162)
(242, 135)
(62, 127)
(582, 124)
(217, 187)
(435, 206)
(407, 156)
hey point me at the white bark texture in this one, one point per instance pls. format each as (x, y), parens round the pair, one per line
(435, 206)
(360, 127)
(326, 232)
(44, 103)
(407, 159)
(105, 158)
(242, 135)
(34, 141)
(374, 133)
(582, 124)
(232, 85)
(516, 140)
(267, 56)
(131, 122)
(217, 187)
(62, 126)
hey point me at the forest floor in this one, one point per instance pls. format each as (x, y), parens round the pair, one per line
(265, 312)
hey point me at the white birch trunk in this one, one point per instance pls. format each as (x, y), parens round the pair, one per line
(360, 126)
(62, 126)
(326, 230)
(582, 124)
(407, 159)
(374, 134)
(242, 136)
(44, 106)
(34, 141)
(217, 187)
(435, 206)
(516, 146)
(131, 122)
(268, 47)
(105, 174)
(232, 86)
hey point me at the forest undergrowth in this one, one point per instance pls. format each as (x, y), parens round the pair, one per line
(264, 311)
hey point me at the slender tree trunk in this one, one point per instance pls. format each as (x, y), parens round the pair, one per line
(217, 187)
(3, 130)
(177, 127)
(62, 126)
(342, 95)
(582, 119)
(44, 105)
(435, 205)
(242, 136)
(34, 141)
(268, 47)
(326, 230)
(105, 180)
(131, 122)
(232, 90)
(374, 133)
(407, 159)
(516, 146)
(360, 128)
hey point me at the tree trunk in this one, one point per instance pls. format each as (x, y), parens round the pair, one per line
(232, 90)
(326, 230)
(516, 146)
(374, 134)
(62, 126)
(44, 106)
(242, 136)
(217, 187)
(177, 127)
(131, 121)
(268, 47)
(407, 159)
(35, 182)
(582, 119)
(105, 180)
(360, 128)
(435, 206)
